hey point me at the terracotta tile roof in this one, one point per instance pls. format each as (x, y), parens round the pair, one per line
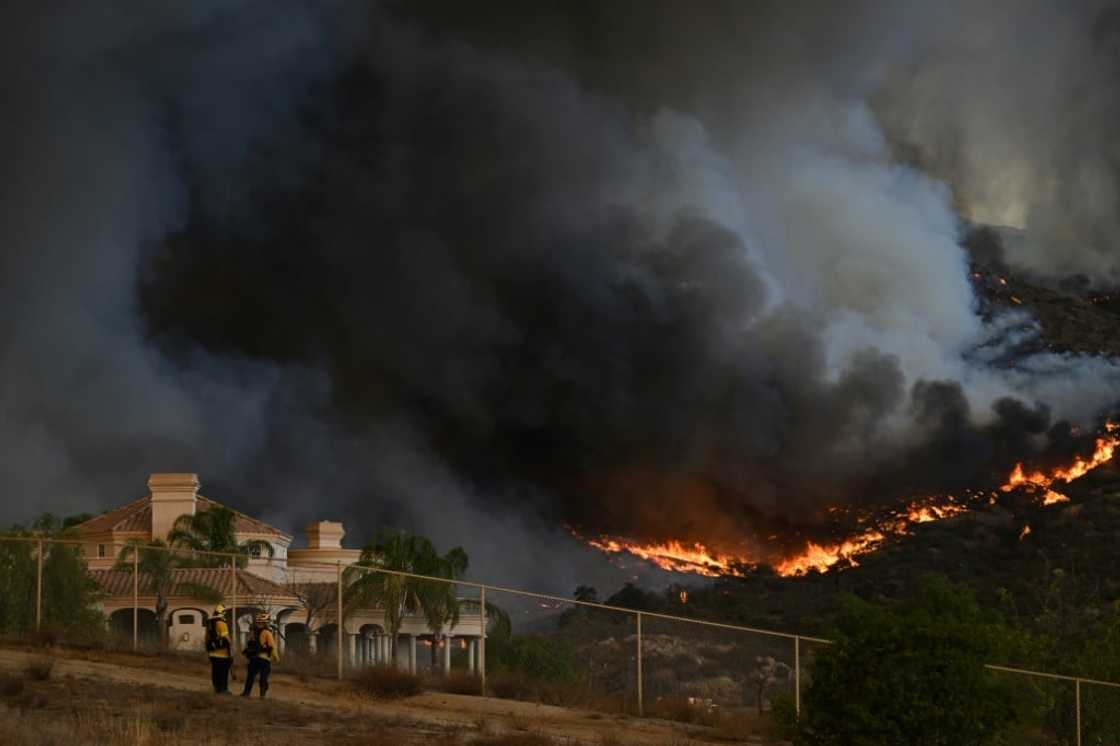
(119, 583)
(137, 516)
(245, 524)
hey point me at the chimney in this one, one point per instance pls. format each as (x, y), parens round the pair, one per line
(173, 495)
(324, 535)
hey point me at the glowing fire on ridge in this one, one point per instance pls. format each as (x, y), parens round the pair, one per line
(695, 557)
(1106, 448)
(673, 555)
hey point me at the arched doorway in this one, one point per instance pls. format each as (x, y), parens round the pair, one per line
(120, 626)
(328, 640)
(372, 646)
(296, 640)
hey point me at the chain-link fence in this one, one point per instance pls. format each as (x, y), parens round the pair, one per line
(340, 619)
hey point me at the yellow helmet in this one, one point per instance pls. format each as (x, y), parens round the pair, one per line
(219, 610)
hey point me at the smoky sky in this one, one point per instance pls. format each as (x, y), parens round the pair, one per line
(487, 271)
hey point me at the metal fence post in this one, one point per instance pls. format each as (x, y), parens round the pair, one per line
(233, 601)
(339, 632)
(797, 676)
(641, 702)
(135, 598)
(1077, 705)
(482, 639)
(39, 589)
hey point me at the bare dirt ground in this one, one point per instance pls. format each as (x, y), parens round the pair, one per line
(98, 697)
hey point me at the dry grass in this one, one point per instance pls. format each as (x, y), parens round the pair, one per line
(514, 739)
(680, 710)
(518, 686)
(457, 682)
(305, 666)
(387, 682)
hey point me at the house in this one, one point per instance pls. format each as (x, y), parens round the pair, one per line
(297, 586)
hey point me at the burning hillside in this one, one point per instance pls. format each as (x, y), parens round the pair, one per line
(877, 527)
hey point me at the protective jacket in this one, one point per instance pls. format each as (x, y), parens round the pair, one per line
(265, 648)
(217, 638)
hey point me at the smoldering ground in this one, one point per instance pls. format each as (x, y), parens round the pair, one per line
(424, 268)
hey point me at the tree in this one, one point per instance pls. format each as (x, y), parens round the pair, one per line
(69, 593)
(401, 595)
(157, 565)
(912, 674)
(315, 598)
(768, 672)
(215, 530)
(17, 587)
(586, 594)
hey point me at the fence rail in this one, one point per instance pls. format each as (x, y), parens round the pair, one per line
(340, 570)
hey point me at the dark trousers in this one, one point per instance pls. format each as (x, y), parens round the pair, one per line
(219, 673)
(257, 667)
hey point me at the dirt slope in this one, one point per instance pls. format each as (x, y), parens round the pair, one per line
(312, 711)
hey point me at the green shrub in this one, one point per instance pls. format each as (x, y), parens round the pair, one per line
(537, 657)
(913, 674)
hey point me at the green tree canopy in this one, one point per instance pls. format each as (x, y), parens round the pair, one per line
(912, 674)
(70, 594)
(215, 530)
(400, 595)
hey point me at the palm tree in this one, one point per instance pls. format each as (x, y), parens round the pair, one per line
(401, 595)
(215, 530)
(158, 564)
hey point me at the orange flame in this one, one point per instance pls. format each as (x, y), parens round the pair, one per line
(1103, 453)
(1025, 532)
(678, 556)
(817, 557)
(675, 556)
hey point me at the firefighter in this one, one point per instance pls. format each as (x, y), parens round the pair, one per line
(218, 649)
(262, 652)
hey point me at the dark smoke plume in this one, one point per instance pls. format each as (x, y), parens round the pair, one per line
(632, 268)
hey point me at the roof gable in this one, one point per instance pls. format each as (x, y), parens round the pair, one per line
(136, 516)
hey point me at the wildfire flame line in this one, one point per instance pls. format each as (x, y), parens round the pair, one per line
(695, 557)
(1105, 449)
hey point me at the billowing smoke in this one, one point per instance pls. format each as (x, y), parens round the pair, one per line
(627, 267)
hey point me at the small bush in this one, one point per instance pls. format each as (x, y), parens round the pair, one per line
(10, 686)
(681, 709)
(458, 683)
(512, 685)
(49, 635)
(387, 682)
(39, 669)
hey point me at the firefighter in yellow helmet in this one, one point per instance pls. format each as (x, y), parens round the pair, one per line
(218, 649)
(262, 652)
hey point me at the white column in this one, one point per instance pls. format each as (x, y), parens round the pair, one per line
(312, 643)
(470, 654)
(351, 648)
(412, 653)
(446, 654)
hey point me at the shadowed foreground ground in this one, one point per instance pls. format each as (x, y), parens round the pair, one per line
(107, 698)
